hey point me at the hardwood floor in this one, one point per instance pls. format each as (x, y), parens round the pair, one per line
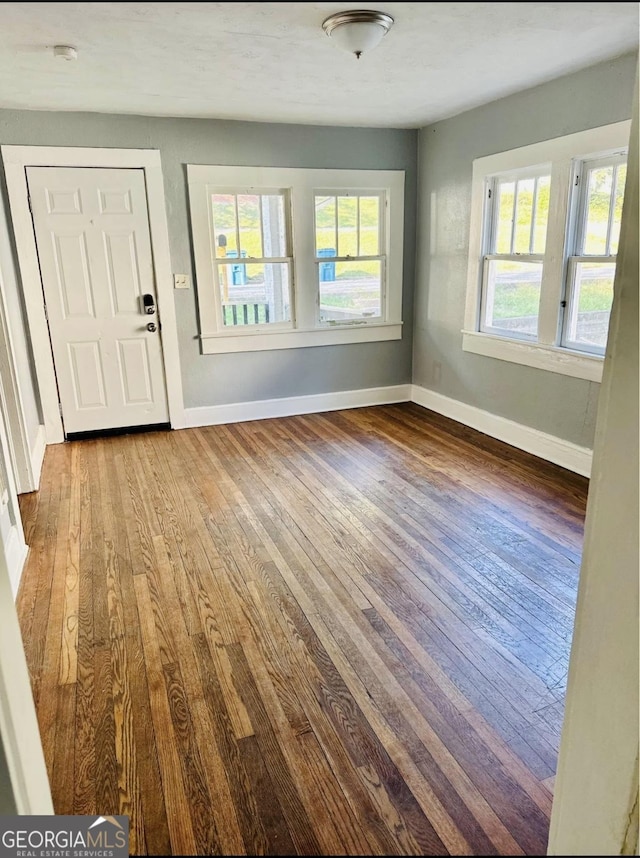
(342, 633)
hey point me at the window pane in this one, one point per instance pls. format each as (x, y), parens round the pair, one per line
(591, 306)
(255, 294)
(524, 215)
(369, 226)
(621, 178)
(350, 290)
(599, 190)
(326, 226)
(347, 226)
(542, 214)
(224, 223)
(249, 222)
(506, 191)
(513, 296)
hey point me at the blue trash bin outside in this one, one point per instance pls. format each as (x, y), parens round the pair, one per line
(327, 269)
(238, 272)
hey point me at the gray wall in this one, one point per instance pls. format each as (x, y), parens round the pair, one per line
(221, 379)
(557, 404)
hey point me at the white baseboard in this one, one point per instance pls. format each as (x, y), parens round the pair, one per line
(237, 412)
(16, 554)
(37, 455)
(549, 447)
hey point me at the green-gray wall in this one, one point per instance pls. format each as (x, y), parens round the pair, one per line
(222, 379)
(553, 403)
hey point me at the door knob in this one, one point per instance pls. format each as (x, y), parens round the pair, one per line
(152, 327)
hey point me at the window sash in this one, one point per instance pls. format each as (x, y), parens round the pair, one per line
(358, 194)
(492, 213)
(225, 263)
(260, 192)
(365, 320)
(486, 300)
(572, 303)
(286, 325)
(583, 169)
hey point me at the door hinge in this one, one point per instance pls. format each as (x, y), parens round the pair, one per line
(577, 181)
(29, 201)
(46, 314)
(489, 193)
(60, 408)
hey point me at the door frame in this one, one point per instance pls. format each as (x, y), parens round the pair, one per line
(25, 459)
(16, 160)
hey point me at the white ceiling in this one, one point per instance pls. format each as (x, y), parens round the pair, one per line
(272, 62)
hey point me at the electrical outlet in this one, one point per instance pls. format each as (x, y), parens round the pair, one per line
(181, 281)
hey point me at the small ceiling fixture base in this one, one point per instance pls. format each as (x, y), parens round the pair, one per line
(65, 52)
(358, 30)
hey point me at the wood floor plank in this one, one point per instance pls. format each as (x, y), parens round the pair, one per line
(284, 787)
(344, 633)
(121, 617)
(84, 734)
(181, 833)
(69, 654)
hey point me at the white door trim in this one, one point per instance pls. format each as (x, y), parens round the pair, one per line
(25, 466)
(16, 160)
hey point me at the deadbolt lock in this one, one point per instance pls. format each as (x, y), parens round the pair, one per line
(148, 304)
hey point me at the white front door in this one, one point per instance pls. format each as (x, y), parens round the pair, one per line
(92, 234)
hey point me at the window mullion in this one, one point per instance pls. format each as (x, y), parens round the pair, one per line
(552, 287)
(534, 211)
(235, 199)
(612, 203)
(512, 245)
(305, 275)
(260, 212)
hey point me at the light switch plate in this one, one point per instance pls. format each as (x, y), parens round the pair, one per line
(181, 281)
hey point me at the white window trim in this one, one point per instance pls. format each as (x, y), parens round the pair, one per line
(306, 329)
(561, 153)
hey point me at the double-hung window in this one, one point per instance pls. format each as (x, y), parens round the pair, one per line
(592, 264)
(253, 261)
(517, 233)
(288, 258)
(349, 235)
(545, 224)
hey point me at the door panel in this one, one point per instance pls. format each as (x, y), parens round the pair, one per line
(92, 233)
(124, 279)
(134, 371)
(87, 376)
(72, 271)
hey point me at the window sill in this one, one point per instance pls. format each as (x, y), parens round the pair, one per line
(550, 358)
(297, 339)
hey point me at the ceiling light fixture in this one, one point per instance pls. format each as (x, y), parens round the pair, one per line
(358, 30)
(65, 52)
